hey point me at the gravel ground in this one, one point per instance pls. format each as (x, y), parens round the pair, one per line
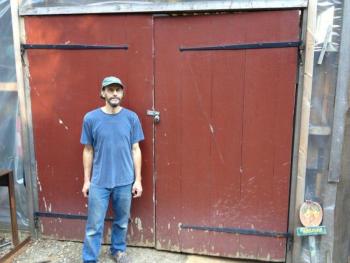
(53, 251)
(5, 246)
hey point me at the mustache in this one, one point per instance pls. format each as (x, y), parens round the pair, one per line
(115, 98)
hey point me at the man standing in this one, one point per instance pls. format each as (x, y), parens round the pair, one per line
(112, 158)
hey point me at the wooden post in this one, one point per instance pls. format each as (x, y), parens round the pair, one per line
(12, 199)
(292, 223)
(305, 118)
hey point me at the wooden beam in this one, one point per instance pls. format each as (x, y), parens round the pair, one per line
(305, 119)
(292, 223)
(341, 100)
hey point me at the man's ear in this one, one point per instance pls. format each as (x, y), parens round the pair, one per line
(102, 95)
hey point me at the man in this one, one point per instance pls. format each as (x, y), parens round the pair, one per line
(112, 158)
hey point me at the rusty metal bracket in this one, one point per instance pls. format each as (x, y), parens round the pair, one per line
(241, 231)
(245, 46)
(71, 46)
(64, 216)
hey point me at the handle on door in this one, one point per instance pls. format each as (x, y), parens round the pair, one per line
(155, 115)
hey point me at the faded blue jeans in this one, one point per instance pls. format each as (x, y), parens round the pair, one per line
(97, 207)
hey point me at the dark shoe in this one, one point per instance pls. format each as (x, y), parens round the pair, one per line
(121, 257)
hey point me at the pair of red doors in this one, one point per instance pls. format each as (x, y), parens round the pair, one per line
(216, 168)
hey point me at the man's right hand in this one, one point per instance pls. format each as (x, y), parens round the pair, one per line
(85, 189)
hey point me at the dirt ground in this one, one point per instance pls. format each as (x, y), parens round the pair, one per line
(53, 251)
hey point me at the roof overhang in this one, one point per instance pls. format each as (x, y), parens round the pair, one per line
(41, 7)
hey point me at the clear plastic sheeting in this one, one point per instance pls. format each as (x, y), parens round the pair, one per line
(317, 187)
(45, 7)
(7, 57)
(11, 157)
(329, 20)
(10, 124)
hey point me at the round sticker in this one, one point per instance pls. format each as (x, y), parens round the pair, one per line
(310, 214)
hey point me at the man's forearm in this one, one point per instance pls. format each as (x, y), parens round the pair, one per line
(137, 163)
(87, 163)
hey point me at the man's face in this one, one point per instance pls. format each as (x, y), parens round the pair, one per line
(113, 94)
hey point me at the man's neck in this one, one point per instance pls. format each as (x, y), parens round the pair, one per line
(110, 110)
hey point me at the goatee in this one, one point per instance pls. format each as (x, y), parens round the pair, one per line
(113, 105)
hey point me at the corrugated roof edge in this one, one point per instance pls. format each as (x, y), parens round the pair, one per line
(151, 7)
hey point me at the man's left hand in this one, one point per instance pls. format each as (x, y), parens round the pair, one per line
(137, 189)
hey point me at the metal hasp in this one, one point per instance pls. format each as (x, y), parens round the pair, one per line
(155, 115)
(244, 46)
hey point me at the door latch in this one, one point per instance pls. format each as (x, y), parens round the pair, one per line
(155, 115)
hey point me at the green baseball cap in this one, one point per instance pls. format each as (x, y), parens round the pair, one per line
(111, 80)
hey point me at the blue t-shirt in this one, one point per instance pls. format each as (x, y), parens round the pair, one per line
(112, 137)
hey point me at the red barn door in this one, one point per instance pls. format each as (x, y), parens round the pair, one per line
(224, 86)
(65, 84)
(223, 145)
